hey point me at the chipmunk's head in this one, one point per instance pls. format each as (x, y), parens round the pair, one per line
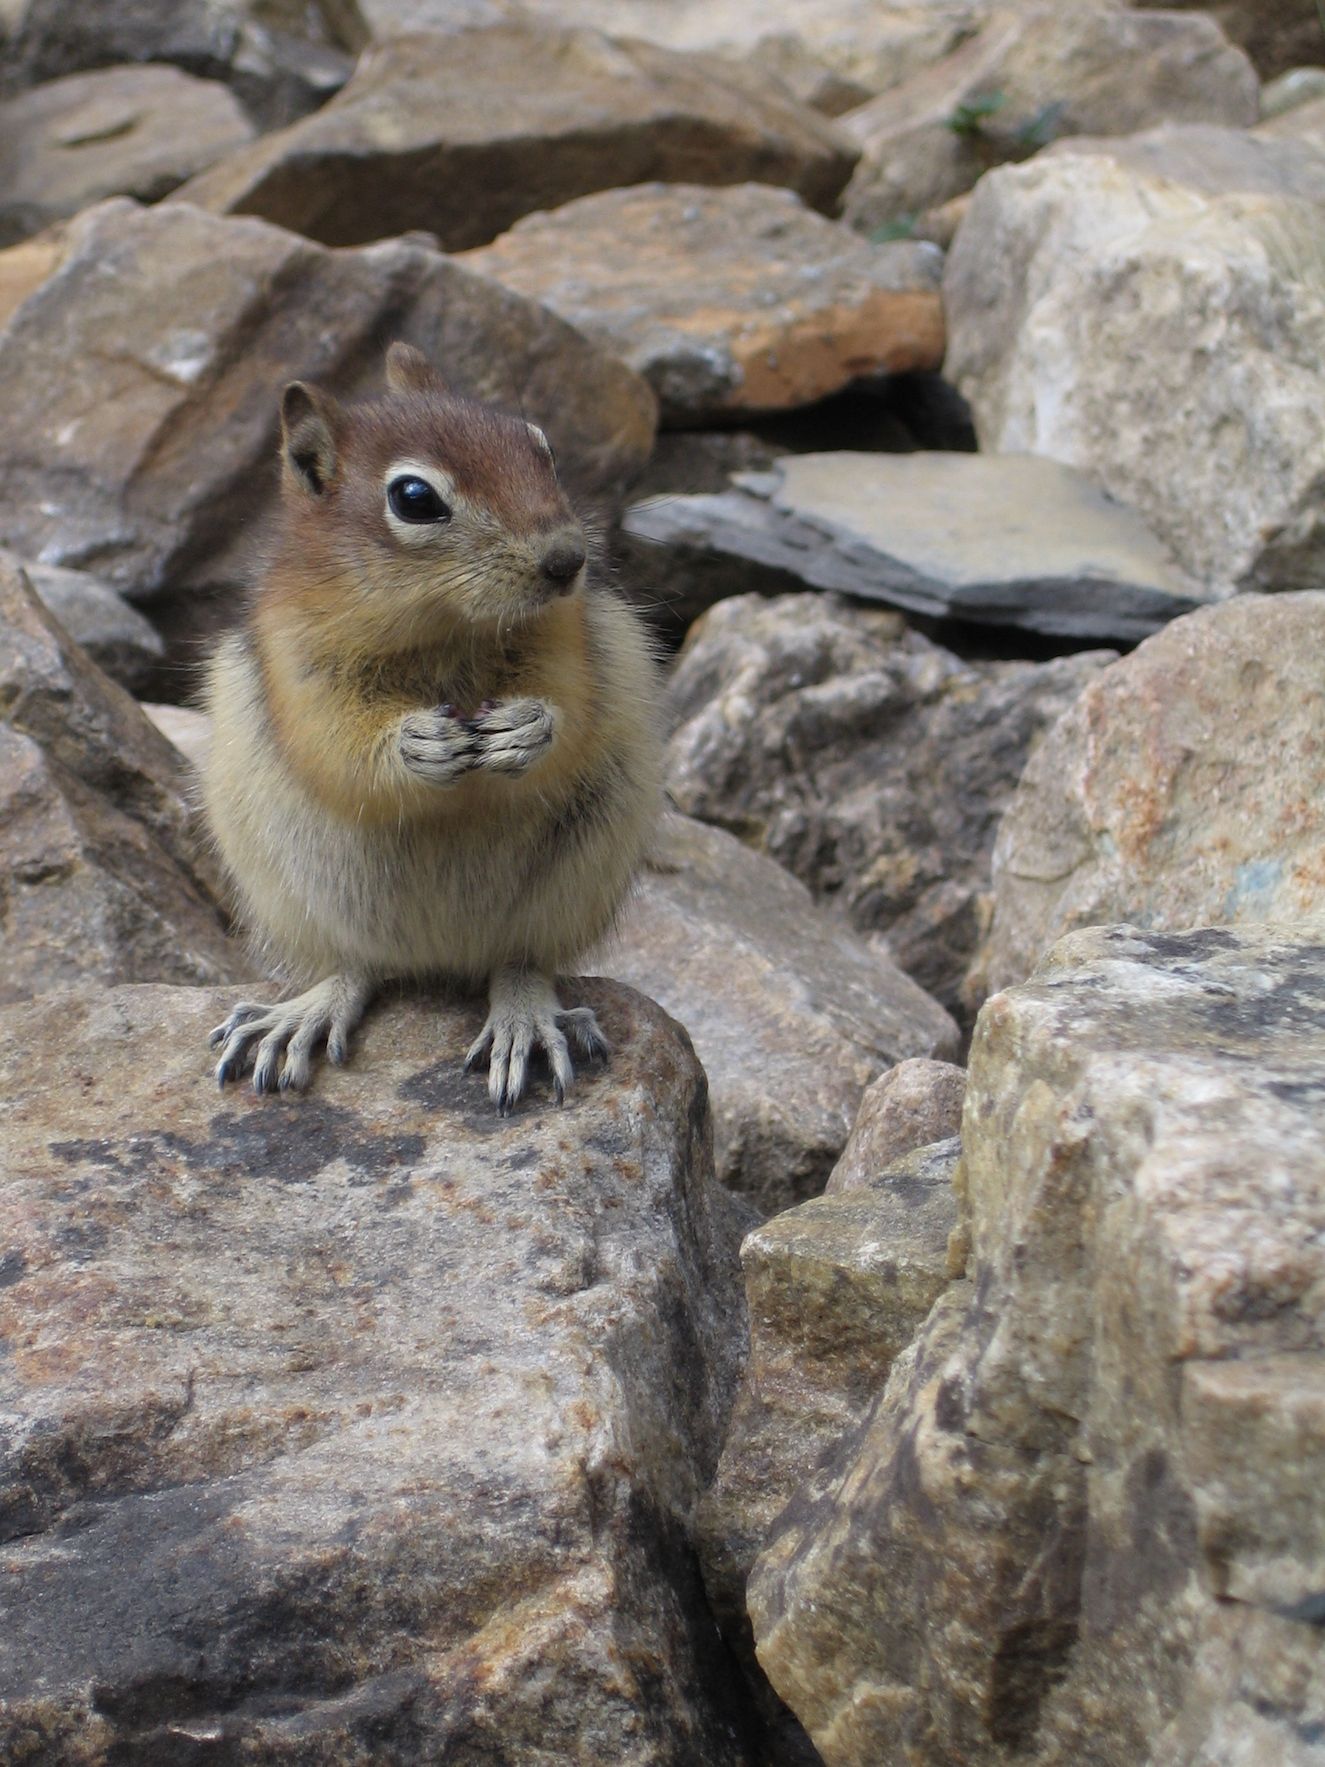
(438, 509)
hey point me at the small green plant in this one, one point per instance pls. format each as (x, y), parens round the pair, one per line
(970, 117)
(1038, 131)
(900, 227)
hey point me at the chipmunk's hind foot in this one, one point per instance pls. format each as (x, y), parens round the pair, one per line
(292, 1029)
(525, 1015)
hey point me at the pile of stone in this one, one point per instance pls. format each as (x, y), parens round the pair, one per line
(911, 1347)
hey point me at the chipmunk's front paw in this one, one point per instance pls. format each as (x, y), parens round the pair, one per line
(438, 744)
(526, 1016)
(293, 1029)
(512, 734)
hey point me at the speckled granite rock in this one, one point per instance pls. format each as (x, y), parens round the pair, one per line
(791, 1014)
(727, 300)
(462, 133)
(870, 762)
(125, 131)
(1186, 786)
(104, 873)
(1152, 312)
(1083, 1524)
(377, 1419)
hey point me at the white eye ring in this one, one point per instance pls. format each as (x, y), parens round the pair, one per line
(416, 533)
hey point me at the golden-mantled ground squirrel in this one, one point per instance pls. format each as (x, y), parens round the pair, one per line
(436, 748)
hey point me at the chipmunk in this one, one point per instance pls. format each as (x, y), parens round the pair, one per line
(436, 749)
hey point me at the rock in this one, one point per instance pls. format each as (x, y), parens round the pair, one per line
(1304, 122)
(870, 762)
(1032, 75)
(103, 871)
(1276, 34)
(1081, 1524)
(1185, 787)
(911, 1107)
(131, 131)
(378, 1420)
(864, 45)
(1164, 339)
(726, 301)
(1000, 540)
(189, 731)
(116, 636)
(282, 57)
(836, 1289)
(1299, 86)
(462, 134)
(23, 269)
(791, 1015)
(139, 388)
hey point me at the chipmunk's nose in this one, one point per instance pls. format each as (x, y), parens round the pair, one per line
(562, 561)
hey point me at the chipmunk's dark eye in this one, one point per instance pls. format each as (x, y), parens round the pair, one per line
(414, 500)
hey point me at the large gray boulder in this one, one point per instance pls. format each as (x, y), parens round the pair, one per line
(1083, 1523)
(376, 1421)
(728, 301)
(104, 872)
(1003, 540)
(462, 133)
(1186, 786)
(870, 762)
(790, 1012)
(1152, 312)
(115, 635)
(139, 386)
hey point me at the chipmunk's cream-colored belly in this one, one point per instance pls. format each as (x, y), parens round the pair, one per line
(437, 896)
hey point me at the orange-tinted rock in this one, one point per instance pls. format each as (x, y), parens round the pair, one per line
(727, 300)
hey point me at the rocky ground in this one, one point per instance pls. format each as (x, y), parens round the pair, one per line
(910, 1349)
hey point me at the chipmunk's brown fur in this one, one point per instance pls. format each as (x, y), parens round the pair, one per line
(435, 750)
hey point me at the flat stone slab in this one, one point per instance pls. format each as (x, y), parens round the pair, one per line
(365, 1427)
(739, 299)
(1010, 540)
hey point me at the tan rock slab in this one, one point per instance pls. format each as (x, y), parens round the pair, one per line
(462, 133)
(791, 1014)
(735, 300)
(870, 762)
(126, 131)
(104, 871)
(1184, 788)
(377, 1420)
(1160, 326)
(1029, 76)
(1081, 1526)
(914, 1105)
(139, 387)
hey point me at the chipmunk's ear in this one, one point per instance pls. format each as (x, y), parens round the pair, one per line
(409, 371)
(310, 422)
